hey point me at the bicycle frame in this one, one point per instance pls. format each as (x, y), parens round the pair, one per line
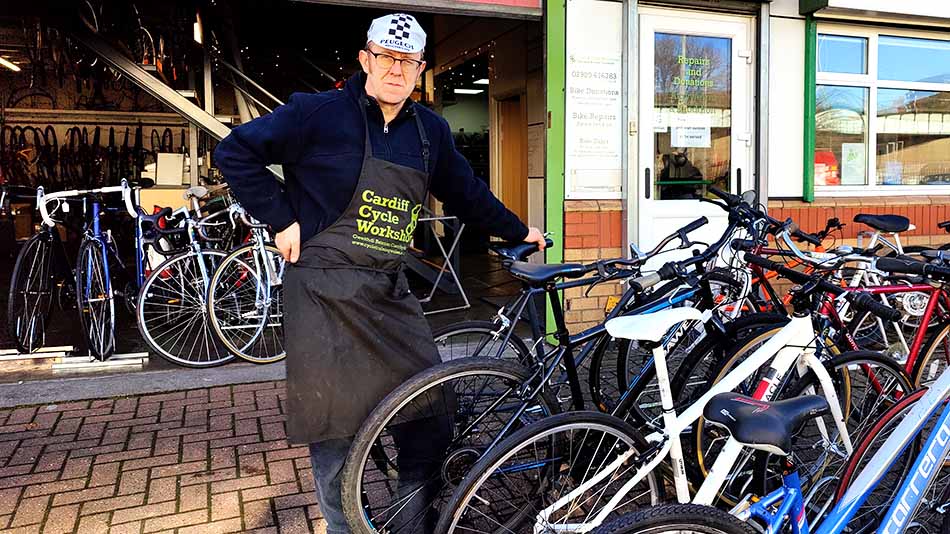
(794, 344)
(926, 466)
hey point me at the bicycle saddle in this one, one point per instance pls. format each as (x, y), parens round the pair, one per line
(541, 274)
(766, 426)
(884, 223)
(513, 251)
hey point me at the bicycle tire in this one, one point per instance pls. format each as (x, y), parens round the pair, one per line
(26, 322)
(365, 449)
(94, 299)
(268, 332)
(929, 363)
(678, 518)
(487, 331)
(157, 298)
(535, 437)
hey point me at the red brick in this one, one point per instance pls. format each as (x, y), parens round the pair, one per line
(244, 427)
(116, 435)
(91, 494)
(110, 418)
(143, 512)
(150, 461)
(26, 480)
(179, 405)
(175, 521)
(54, 487)
(225, 505)
(155, 427)
(293, 452)
(67, 406)
(219, 422)
(21, 416)
(591, 242)
(209, 476)
(274, 419)
(128, 404)
(296, 500)
(32, 529)
(147, 409)
(254, 386)
(61, 519)
(25, 455)
(306, 479)
(171, 414)
(194, 451)
(133, 481)
(257, 514)
(51, 461)
(169, 445)
(252, 464)
(250, 407)
(268, 530)
(257, 414)
(8, 501)
(313, 512)
(179, 469)
(238, 484)
(99, 452)
(125, 421)
(220, 394)
(177, 395)
(233, 442)
(128, 528)
(281, 471)
(15, 470)
(573, 217)
(293, 521)
(113, 503)
(221, 458)
(204, 436)
(193, 498)
(104, 474)
(93, 524)
(268, 492)
(273, 431)
(78, 447)
(302, 463)
(217, 527)
(162, 489)
(30, 511)
(261, 447)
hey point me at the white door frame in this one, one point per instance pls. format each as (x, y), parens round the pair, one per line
(638, 96)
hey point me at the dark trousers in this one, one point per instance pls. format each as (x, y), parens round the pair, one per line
(421, 445)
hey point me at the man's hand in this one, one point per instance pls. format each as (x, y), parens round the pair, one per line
(535, 236)
(288, 242)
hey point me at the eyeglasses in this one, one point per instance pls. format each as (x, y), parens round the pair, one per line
(386, 61)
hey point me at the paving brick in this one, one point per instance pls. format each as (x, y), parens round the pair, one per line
(8, 500)
(143, 440)
(89, 412)
(257, 414)
(221, 458)
(176, 395)
(54, 487)
(113, 503)
(162, 489)
(150, 461)
(238, 484)
(314, 512)
(133, 481)
(127, 528)
(27, 480)
(267, 402)
(76, 467)
(171, 414)
(252, 464)
(116, 435)
(222, 393)
(281, 471)
(181, 404)
(139, 513)
(175, 521)
(25, 455)
(265, 446)
(90, 494)
(67, 406)
(193, 451)
(111, 418)
(169, 445)
(273, 431)
(91, 430)
(186, 431)
(209, 476)
(179, 469)
(233, 442)
(128, 404)
(302, 463)
(257, 514)
(269, 492)
(204, 436)
(293, 452)
(61, 519)
(295, 500)
(268, 530)
(124, 421)
(274, 419)
(216, 527)
(68, 426)
(225, 505)
(93, 524)
(193, 498)
(30, 511)
(51, 461)
(147, 409)
(104, 474)
(94, 451)
(15, 470)
(21, 416)
(219, 422)
(319, 526)
(78, 448)
(45, 420)
(5, 520)
(102, 403)
(156, 427)
(32, 529)
(293, 521)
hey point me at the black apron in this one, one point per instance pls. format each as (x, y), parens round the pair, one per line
(352, 330)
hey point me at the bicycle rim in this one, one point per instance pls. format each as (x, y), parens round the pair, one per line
(94, 299)
(31, 293)
(246, 307)
(172, 311)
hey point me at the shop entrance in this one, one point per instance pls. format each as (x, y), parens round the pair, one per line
(696, 115)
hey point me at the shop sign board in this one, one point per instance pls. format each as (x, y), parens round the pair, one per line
(527, 9)
(594, 100)
(920, 8)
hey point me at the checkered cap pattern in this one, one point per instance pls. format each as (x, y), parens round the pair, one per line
(399, 32)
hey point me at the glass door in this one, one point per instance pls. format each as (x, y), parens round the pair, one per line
(696, 117)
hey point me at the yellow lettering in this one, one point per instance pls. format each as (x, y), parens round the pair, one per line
(365, 211)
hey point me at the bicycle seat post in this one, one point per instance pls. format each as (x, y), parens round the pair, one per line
(563, 337)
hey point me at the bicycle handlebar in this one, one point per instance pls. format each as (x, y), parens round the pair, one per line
(42, 199)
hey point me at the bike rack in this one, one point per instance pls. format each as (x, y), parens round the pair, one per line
(82, 363)
(8, 355)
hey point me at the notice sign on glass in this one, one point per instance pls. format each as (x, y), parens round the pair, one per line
(594, 122)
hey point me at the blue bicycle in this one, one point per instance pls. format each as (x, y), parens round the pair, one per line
(894, 482)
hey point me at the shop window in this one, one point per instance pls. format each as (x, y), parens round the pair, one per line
(840, 135)
(842, 54)
(882, 121)
(913, 60)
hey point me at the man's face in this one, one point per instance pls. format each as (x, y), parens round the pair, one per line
(391, 85)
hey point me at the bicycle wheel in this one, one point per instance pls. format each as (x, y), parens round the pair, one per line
(678, 519)
(393, 483)
(246, 308)
(479, 339)
(879, 499)
(933, 357)
(582, 458)
(94, 299)
(172, 311)
(31, 293)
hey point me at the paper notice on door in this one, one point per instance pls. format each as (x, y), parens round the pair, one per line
(690, 137)
(852, 163)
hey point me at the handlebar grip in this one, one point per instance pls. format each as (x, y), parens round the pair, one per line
(894, 265)
(731, 200)
(742, 244)
(41, 204)
(127, 197)
(645, 282)
(695, 225)
(805, 236)
(865, 302)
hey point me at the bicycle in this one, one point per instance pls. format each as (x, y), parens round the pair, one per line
(616, 449)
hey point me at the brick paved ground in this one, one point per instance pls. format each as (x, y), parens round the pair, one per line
(198, 461)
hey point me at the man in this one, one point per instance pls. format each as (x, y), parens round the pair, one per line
(358, 165)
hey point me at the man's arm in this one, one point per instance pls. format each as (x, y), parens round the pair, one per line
(464, 195)
(243, 157)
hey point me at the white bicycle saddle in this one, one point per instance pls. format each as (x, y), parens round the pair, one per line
(650, 326)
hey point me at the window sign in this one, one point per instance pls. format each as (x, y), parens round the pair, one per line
(594, 133)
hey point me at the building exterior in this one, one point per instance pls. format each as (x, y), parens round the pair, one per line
(826, 107)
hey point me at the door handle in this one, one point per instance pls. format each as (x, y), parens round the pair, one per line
(739, 181)
(646, 182)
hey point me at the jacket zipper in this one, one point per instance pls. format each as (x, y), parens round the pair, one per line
(386, 128)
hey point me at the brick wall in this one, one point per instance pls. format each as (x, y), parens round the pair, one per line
(923, 211)
(592, 230)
